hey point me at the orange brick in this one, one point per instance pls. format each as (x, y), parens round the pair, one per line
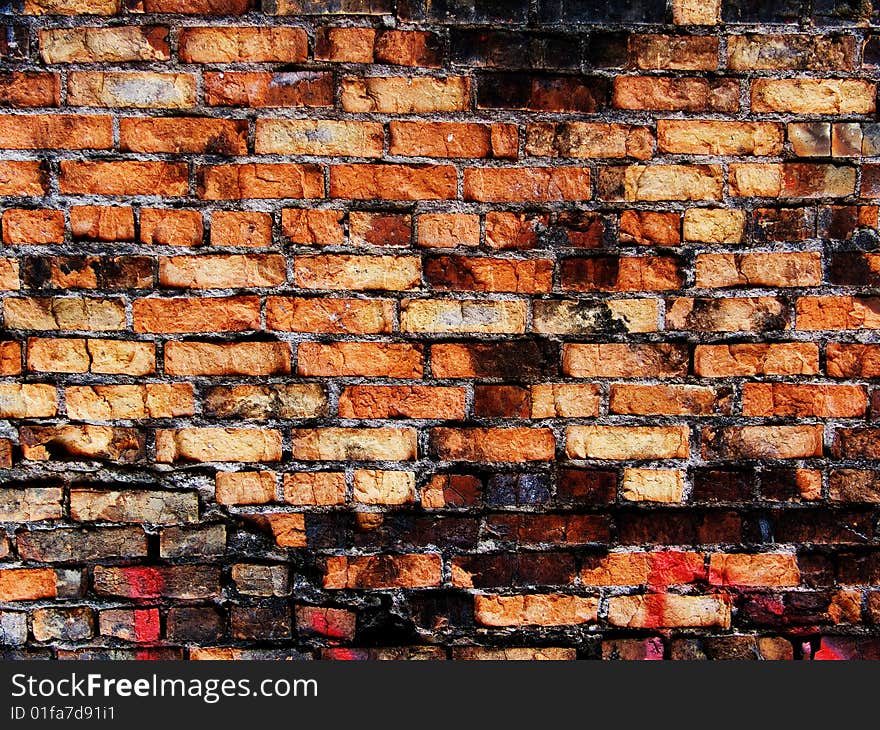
(166, 227)
(314, 488)
(45, 131)
(240, 45)
(313, 227)
(493, 444)
(383, 571)
(448, 230)
(213, 314)
(30, 88)
(282, 89)
(393, 182)
(531, 184)
(101, 223)
(27, 584)
(625, 361)
(22, 178)
(452, 139)
(236, 358)
(241, 228)
(260, 180)
(784, 358)
(822, 401)
(222, 272)
(402, 401)
(359, 358)
(761, 570)
(32, 226)
(183, 135)
(359, 316)
(168, 179)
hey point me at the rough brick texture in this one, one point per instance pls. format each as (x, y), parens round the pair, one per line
(416, 329)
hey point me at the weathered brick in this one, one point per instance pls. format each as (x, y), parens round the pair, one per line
(535, 609)
(360, 444)
(813, 96)
(282, 89)
(627, 442)
(222, 272)
(399, 95)
(131, 505)
(196, 315)
(111, 45)
(487, 444)
(218, 444)
(359, 358)
(61, 131)
(208, 358)
(183, 134)
(307, 137)
(129, 89)
(260, 180)
(110, 402)
(676, 94)
(382, 571)
(242, 45)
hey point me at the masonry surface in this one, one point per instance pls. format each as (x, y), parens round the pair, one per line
(446, 329)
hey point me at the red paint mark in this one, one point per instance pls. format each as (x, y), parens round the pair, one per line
(828, 652)
(143, 582)
(146, 625)
(672, 568)
(653, 649)
(345, 654)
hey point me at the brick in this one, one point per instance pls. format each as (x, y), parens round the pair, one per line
(62, 131)
(345, 45)
(21, 226)
(535, 609)
(104, 45)
(44, 443)
(673, 182)
(208, 358)
(282, 89)
(312, 227)
(110, 402)
(653, 485)
(64, 313)
(485, 274)
(534, 184)
(695, 12)
(363, 401)
(243, 45)
(452, 139)
(260, 180)
(335, 623)
(362, 316)
(186, 582)
(453, 316)
(621, 361)
(123, 178)
(198, 7)
(856, 443)
(213, 314)
(382, 571)
(542, 92)
(63, 624)
(676, 94)
(22, 178)
(674, 52)
(762, 442)
(139, 625)
(546, 653)
(222, 272)
(359, 359)
(30, 88)
(393, 273)
(822, 401)
(756, 270)
(360, 444)
(217, 444)
(448, 230)
(695, 137)
(165, 227)
(31, 504)
(683, 400)
(668, 610)
(852, 361)
(775, 52)
(740, 314)
(129, 89)
(651, 228)
(318, 488)
(10, 358)
(714, 225)
(71, 7)
(813, 96)
(585, 317)
(379, 229)
(183, 135)
(94, 355)
(627, 442)
(810, 139)
(101, 223)
(766, 569)
(312, 137)
(241, 228)
(792, 180)
(785, 358)
(27, 584)
(405, 95)
(87, 272)
(393, 182)
(620, 273)
(72, 545)
(590, 140)
(564, 401)
(261, 580)
(487, 444)
(373, 486)
(836, 313)
(245, 487)
(131, 505)
(654, 569)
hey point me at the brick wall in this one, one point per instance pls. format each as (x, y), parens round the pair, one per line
(439, 328)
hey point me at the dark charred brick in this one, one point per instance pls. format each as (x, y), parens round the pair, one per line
(816, 569)
(406, 530)
(871, 51)
(858, 568)
(814, 526)
(477, 11)
(506, 49)
(517, 490)
(577, 228)
(758, 11)
(586, 486)
(437, 610)
(785, 609)
(607, 49)
(196, 624)
(271, 621)
(828, 12)
(506, 569)
(87, 272)
(13, 42)
(678, 528)
(837, 221)
(719, 485)
(586, 94)
(856, 443)
(533, 529)
(602, 11)
(784, 224)
(852, 268)
(782, 484)
(502, 401)
(328, 530)
(514, 360)
(854, 485)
